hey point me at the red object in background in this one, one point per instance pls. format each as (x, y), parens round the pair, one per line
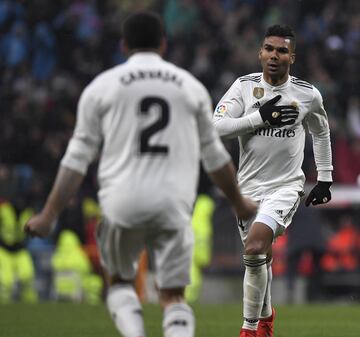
(280, 255)
(342, 247)
(90, 246)
(347, 160)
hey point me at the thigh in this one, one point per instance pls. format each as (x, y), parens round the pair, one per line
(172, 251)
(279, 207)
(119, 249)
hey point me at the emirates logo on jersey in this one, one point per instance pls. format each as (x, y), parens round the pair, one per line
(258, 92)
(274, 132)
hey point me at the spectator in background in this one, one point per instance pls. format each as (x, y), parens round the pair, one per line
(44, 52)
(305, 236)
(15, 46)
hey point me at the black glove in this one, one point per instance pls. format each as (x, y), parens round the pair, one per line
(278, 115)
(320, 194)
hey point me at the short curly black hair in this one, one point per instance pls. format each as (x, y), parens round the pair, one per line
(282, 31)
(143, 30)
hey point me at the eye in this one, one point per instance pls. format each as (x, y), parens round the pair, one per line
(283, 50)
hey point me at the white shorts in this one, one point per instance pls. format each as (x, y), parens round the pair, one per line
(276, 210)
(120, 249)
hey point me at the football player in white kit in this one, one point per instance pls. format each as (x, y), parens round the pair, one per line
(151, 122)
(269, 112)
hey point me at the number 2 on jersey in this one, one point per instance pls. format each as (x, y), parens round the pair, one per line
(145, 134)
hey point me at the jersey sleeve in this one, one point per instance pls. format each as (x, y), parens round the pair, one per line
(317, 123)
(213, 152)
(229, 118)
(85, 142)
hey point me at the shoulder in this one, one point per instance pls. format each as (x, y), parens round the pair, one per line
(191, 84)
(102, 80)
(253, 77)
(297, 82)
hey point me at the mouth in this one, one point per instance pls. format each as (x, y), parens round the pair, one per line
(272, 66)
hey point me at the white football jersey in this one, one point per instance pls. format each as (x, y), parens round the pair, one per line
(271, 158)
(152, 121)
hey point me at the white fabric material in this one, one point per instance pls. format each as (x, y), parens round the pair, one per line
(125, 310)
(178, 321)
(266, 310)
(153, 121)
(276, 210)
(255, 281)
(171, 249)
(272, 157)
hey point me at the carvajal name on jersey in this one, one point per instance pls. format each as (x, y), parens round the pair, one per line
(273, 132)
(165, 76)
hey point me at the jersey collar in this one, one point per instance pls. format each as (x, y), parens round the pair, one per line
(275, 88)
(145, 56)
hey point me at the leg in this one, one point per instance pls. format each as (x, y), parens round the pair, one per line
(266, 310)
(120, 249)
(178, 318)
(124, 307)
(257, 245)
(173, 252)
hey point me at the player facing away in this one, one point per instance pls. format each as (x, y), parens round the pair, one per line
(151, 122)
(268, 113)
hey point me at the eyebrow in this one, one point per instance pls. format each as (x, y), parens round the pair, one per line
(280, 49)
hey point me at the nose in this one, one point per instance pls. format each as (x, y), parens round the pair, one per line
(274, 55)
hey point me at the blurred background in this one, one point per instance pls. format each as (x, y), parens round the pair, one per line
(50, 50)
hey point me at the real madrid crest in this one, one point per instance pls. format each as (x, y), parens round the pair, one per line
(258, 92)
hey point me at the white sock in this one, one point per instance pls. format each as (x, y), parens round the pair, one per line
(126, 311)
(178, 321)
(267, 307)
(255, 281)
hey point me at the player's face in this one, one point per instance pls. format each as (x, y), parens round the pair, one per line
(276, 56)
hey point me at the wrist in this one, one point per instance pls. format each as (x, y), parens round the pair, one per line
(256, 120)
(326, 184)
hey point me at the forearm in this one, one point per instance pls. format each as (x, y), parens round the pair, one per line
(225, 179)
(233, 127)
(66, 184)
(323, 157)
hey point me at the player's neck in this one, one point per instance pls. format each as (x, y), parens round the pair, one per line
(275, 80)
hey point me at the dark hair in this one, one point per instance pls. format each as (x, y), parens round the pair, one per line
(282, 31)
(143, 30)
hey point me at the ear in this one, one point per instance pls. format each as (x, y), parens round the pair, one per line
(163, 46)
(124, 47)
(260, 54)
(292, 58)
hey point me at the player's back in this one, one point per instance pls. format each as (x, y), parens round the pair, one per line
(150, 155)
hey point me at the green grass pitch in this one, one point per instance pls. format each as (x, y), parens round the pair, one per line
(222, 320)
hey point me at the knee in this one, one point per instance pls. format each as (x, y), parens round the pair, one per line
(255, 247)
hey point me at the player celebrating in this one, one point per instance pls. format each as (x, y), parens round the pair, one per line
(153, 121)
(267, 112)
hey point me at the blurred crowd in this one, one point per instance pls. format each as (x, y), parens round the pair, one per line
(49, 50)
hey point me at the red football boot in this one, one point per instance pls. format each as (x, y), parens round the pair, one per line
(247, 333)
(266, 326)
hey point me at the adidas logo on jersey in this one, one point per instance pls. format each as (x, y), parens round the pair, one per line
(256, 105)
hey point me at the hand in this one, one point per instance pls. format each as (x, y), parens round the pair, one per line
(278, 115)
(39, 225)
(246, 209)
(320, 194)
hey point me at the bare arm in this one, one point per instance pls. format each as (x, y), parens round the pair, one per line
(225, 179)
(65, 186)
